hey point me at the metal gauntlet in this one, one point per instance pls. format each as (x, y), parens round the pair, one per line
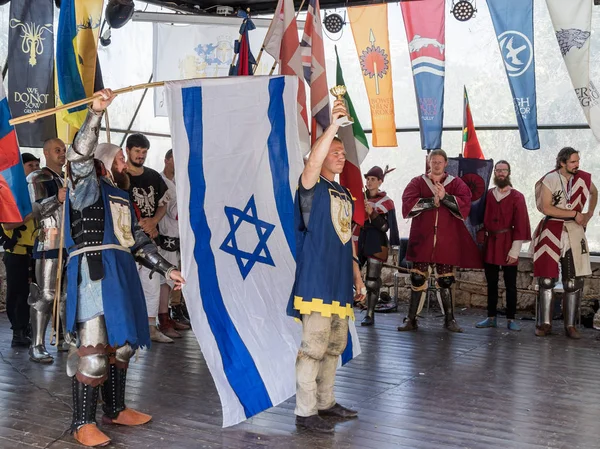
(148, 257)
(46, 208)
(422, 205)
(450, 202)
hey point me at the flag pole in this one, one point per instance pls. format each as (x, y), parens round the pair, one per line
(61, 245)
(47, 112)
(462, 139)
(262, 48)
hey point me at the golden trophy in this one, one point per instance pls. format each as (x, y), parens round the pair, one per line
(339, 92)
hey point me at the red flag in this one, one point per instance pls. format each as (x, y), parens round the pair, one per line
(313, 62)
(471, 148)
(281, 42)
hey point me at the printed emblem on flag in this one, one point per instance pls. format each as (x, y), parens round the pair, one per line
(247, 257)
(517, 52)
(341, 215)
(475, 183)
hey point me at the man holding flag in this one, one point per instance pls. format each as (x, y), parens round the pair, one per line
(326, 268)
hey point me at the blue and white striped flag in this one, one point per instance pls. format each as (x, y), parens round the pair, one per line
(238, 160)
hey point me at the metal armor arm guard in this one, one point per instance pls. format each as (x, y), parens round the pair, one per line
(450, 202)
(46, 207)
(146, 253)
(380, 222)
(422, 205)
(81, 153)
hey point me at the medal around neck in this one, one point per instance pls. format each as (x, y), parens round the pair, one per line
(339, 92)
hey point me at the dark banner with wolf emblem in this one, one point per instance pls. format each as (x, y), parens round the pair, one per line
(31, 68)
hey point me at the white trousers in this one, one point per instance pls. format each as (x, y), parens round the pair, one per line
(151, 289)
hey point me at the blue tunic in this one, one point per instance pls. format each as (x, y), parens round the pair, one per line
(324, 278)
(123, 302)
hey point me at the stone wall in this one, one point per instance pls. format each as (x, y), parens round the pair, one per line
(470, 289)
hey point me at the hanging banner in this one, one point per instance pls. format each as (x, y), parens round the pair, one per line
(200, 51)
(31, 68)
(513, 23)
(370, 29)
(572, 22)
(425, 26)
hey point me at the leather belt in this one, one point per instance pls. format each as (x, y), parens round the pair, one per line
(500, 231)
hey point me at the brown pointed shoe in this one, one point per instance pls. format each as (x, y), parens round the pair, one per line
(128, 417)
(543, 330)
(89, 435)
(572, 332)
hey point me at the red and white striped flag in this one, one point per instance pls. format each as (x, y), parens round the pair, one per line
(313, 62)
(281, 42)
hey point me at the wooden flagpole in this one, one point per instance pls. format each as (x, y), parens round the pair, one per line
(41, 114)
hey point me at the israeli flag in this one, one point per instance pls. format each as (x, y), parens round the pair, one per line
(238, 161)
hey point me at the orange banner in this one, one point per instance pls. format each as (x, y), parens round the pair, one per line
(370, 30)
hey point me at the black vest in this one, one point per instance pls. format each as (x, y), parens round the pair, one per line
(87, 229)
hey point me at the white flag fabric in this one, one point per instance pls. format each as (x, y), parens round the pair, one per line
(238, 160)
(572, 21)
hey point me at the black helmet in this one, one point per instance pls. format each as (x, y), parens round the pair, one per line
(118, 12)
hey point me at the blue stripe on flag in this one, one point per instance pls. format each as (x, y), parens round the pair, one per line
(347, 354)
(70, 85)
(5, 127)
(429, 64)
(15, 178)
(238, 365)
(278, 159)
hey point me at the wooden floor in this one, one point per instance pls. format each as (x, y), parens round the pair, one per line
(482, 389)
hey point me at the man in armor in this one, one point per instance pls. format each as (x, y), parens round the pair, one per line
(561, 196)
(373, 243)
(105, 300)
(438, 204)
(47, 194)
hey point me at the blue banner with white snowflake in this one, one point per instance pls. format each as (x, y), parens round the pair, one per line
(513, 23)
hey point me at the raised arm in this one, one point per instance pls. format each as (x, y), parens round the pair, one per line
(320, 149)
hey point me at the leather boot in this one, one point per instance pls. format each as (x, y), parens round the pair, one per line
(448, 305)
(20, 339)
(410, 322)
(369, 319)
(85, 400)
(165, 325)
(39, 324)
(158, 336)
(113, 395)
(178, 316)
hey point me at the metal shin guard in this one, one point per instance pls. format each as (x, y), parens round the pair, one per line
(39, 324)
(573, 288)
(113, 391)
(410, 322)
(448, 305)
(373, 284)
(543, 318)
(85, 400)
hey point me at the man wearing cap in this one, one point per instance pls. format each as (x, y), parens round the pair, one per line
(373, 243)
(17, 240)
(47, 194)
(438, 204)
(105, 299)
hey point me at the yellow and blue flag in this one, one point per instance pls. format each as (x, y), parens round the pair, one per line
(76, 59)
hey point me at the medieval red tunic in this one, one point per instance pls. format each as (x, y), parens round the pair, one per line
(437, 235)
(504, 222)
(554, 236)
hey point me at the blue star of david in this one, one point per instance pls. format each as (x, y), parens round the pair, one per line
(261, 254)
